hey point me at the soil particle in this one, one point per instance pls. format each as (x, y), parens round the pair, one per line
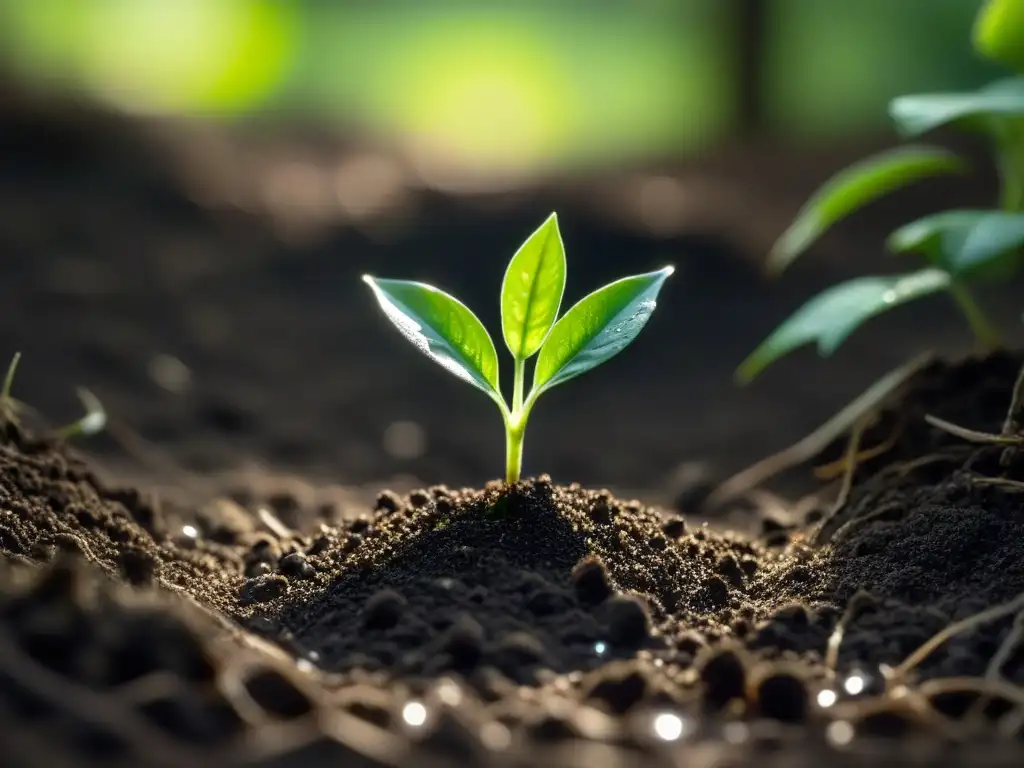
(590, 580)
(674, 527)
(137, 566)
(383, 609)
(780, 694)
(618, 687)
(277, 695)
(723, 672)
(262, 589)
(463, 642)
(627, 622)
(296, 566)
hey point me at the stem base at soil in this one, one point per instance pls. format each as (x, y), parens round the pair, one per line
(513, 453)
(984, 332)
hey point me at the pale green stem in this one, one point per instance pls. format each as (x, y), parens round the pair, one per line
(515, 425)
(1012, 193)
(984, 331)
(513, 452)
(1010, 161)
(5, 391)
(517, 389)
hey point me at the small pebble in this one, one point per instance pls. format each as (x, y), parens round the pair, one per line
(419, 498)
(783, 696)
(388, 501)
(618, 688)
(724, 674)
(464, 641)
(383, 609)
(590, 581)
(628, 623)
(296, 566)
(674, 528)
(601, 513)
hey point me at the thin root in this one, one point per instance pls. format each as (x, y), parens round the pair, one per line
(857, 603)
(806, 449)
(904, 469)
(274, 524)
(971, 435)
(850, 459)
(900, 673)
(1005, 483)
(839, 467)
(1011, 425)
(850, 469)
(987, 688)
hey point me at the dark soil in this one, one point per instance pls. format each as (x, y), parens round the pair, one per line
(177, 617)
(524, 616)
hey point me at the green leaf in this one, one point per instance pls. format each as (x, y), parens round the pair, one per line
(917, 114)
(831, 316)
(963, 242)
(531, 292)
(854, 187)
(597, 328)
(999, 32)
(443, 328)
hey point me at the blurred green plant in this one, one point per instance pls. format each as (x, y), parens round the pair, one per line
(593, 331)
(959, 246)
(91, 423)
(998, 32)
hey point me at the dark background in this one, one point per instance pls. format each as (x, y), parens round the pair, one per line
(190, 190)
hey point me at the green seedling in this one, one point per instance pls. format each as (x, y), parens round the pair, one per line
(594, 330)
(91, 423)
(8, 405)
(959, 247)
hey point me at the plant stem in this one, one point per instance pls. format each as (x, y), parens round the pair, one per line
(1010, 162)
(513, 451)
(5, 391)
(517, 389)
(515, 425)
(984, 332)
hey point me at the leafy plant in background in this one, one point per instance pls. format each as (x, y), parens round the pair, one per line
(594, 330)
(959, 247)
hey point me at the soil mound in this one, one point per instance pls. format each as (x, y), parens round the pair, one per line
(561, 611)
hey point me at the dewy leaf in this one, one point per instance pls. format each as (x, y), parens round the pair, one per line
(999, 32)
(854, 187)
(597, 328)
(962, 242)
(441, 327)
(831, 316)
(920, 113)
(531, 292)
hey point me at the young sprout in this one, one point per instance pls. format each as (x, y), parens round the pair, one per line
(92, 422)
(594, 330)
(9, 406)
(960, 247)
